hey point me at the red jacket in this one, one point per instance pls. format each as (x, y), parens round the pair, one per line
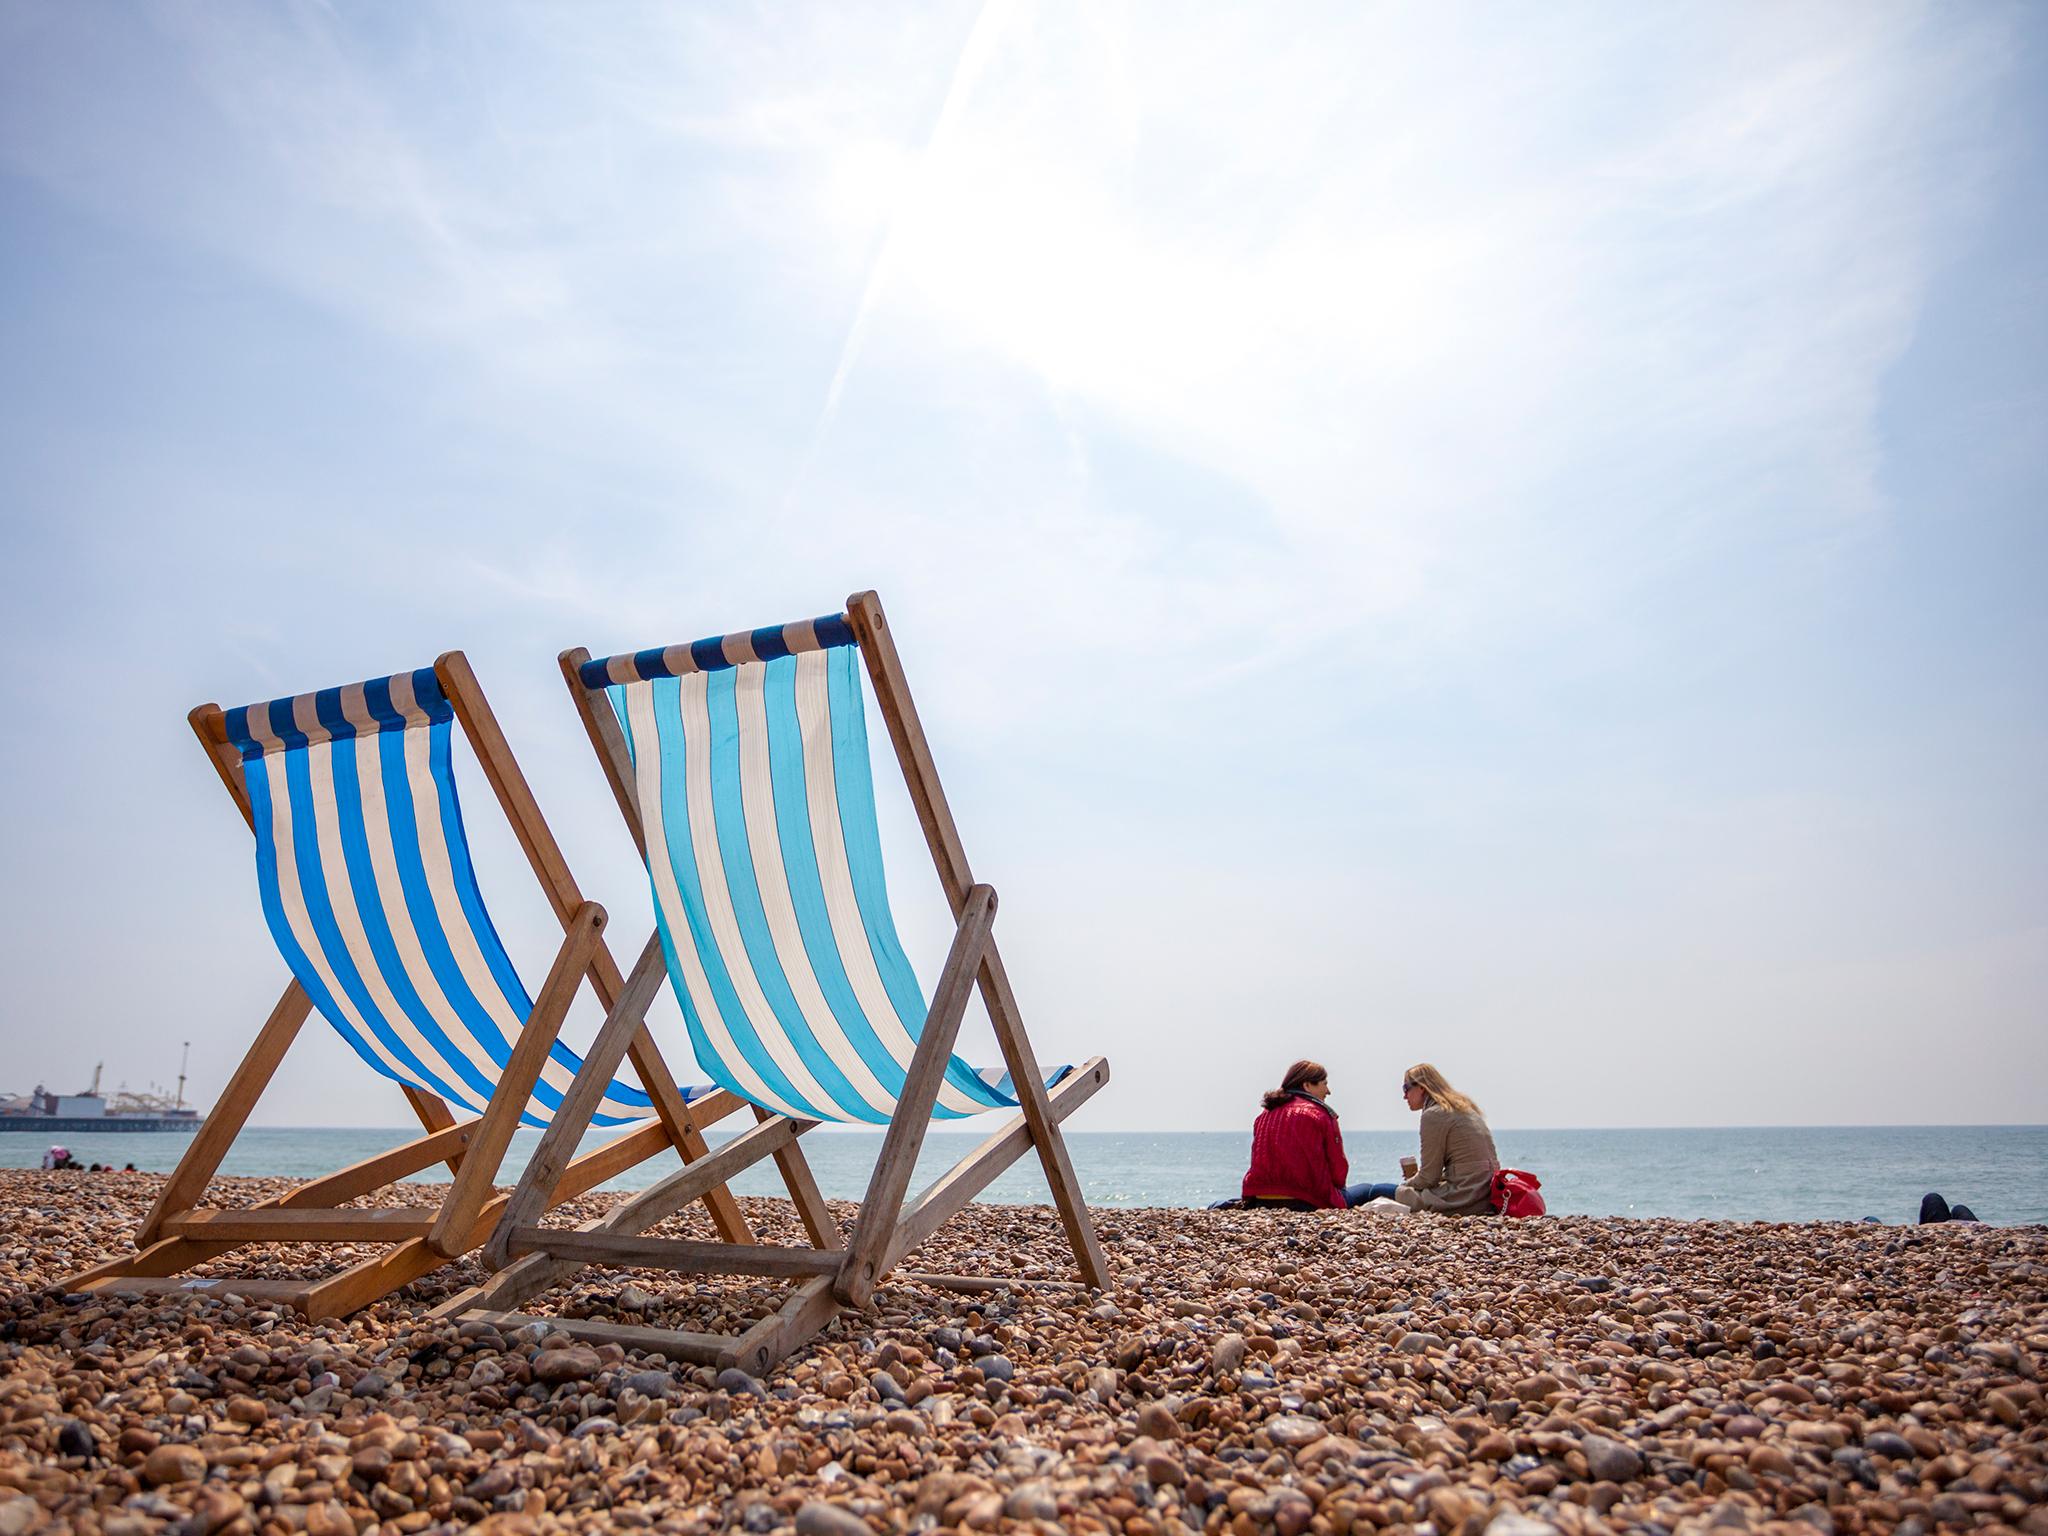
(1297, 1154)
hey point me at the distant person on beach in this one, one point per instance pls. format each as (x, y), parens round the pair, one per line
(1454, 1175)
(1933, 1208)
(1297, 1151)
(56, 1157)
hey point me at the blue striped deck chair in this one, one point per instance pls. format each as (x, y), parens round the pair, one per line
(741, 764)
(367, 886)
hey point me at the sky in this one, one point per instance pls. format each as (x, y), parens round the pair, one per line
(1505, 536)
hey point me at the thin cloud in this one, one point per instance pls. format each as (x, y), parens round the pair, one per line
(967, 71)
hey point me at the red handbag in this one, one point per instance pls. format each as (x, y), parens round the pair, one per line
(1514, 1193)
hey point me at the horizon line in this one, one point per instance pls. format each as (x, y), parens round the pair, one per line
(843, 1129)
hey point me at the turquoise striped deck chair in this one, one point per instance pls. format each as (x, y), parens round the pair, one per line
(372, 900)
(742, 766)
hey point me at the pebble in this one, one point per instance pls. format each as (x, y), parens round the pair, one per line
(1494, 1447)
(1770, 1461)
(1031, 1501)
(1156, 1421)
(174, 1464)
(1251, 1374)
(817, 1518)
(248, 1410)
(1609, 1460)
(1292, 1514)
(575, 1363)
(1227, 1355)
(1293, 1431)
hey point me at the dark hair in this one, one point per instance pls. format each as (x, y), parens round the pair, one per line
(1298, 1076)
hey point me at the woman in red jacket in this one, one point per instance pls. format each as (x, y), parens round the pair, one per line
(1297, 1152)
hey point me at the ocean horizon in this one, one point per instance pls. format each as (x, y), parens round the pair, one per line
(1736, 1173)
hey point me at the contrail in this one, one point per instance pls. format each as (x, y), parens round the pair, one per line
(974, 56)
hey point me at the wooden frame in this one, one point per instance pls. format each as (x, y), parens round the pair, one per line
(179, 1232)
(530, 1258)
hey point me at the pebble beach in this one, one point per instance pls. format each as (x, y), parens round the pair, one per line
(1262, 1374)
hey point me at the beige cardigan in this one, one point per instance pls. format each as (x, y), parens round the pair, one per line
(1458, 1162)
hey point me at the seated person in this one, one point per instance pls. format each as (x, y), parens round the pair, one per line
(1933, 1208)
(1297, 1152)
(1455, 1172)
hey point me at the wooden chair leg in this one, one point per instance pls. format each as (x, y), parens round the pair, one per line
(891, 1178)
(949, 1194)
(804, 1193)
(949, 855)
(371, 1280)
(211, 1141)
(472, 1188)
(1029, 1083)
(508, 783)
(433, 1114)
(807, 1312)
(533, 1193)
(683, 1129)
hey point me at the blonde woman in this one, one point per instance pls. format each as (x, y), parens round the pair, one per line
(1458, 1161)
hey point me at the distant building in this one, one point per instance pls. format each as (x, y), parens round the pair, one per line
(43, 1110)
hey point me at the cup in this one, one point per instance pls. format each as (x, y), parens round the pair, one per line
(1408, 1167)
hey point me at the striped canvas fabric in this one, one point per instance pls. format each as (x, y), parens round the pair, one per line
(750, 768)
(369, 891)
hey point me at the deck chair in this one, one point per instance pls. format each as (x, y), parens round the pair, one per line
(370, 895)
(741, 765)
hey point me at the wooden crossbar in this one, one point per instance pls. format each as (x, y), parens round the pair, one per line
(525, 1277)
(280, 1225)
(171, 1255)
(631, 1252)
(289, 1292)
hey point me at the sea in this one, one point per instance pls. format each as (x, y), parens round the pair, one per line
(1824, 1173)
